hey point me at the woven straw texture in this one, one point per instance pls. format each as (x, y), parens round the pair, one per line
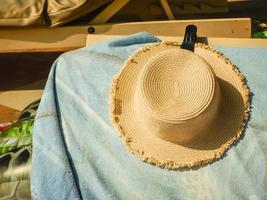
(178, 109)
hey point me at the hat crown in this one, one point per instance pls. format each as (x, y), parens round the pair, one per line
(177, 85)
(177, 95)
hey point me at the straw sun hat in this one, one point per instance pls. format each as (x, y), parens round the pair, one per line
(179, 109)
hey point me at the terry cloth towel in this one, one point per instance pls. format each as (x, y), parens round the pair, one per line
(78, 155)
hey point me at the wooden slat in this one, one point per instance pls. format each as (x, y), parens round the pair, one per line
(73, 37)
(167, 9)
(109, 11)
(231, 28)
(235, 42)
(8, 114)
(42, 39)
(20, 97)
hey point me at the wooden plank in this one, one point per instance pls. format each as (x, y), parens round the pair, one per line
(235, 42)
(167, 9)
(73, 37)
(231, 28)
(20, 97)
(231, 42)
(109, 11)
(42, 39)
(8, 114)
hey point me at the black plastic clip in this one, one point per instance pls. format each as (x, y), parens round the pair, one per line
(190, 38)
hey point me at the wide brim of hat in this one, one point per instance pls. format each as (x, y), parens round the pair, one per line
(224, 132)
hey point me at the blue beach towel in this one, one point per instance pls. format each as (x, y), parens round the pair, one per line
(78, 155)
